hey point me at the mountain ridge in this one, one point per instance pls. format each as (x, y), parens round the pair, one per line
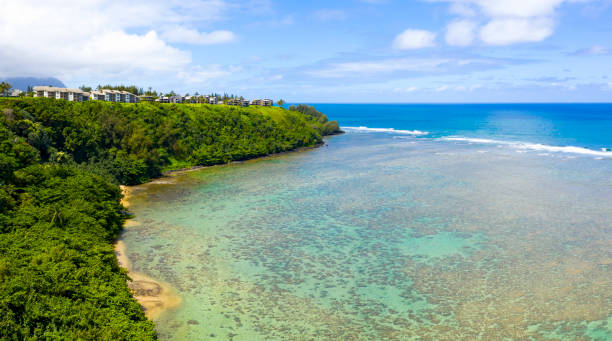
(22, 83)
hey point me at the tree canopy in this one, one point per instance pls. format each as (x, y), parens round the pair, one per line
(60, 166)
(129, 88)
(5, 86)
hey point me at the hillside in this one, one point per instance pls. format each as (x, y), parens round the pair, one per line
(60, 166)
(22, 83)
(135, 142)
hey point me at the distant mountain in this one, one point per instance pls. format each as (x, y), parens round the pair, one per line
(22, 83)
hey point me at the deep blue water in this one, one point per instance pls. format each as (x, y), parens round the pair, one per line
(580, 125)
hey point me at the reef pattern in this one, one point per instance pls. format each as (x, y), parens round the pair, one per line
(378, 237)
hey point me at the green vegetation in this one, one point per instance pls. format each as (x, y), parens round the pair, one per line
(4, 87)
(327, 127)
(60, 164)
(129, 88)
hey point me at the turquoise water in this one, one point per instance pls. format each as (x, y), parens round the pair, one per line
(385, 236)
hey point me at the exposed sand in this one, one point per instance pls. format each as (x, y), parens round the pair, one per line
(126, 192)
(154, 296)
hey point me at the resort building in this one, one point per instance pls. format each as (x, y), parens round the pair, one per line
(263, 102)
(176, 99)
(210, 99)
(9, 93)
(195, 99)
(239, 102)
(146, 98)
(113, 96)
(97, 95)
(163, 99)
(76, 95)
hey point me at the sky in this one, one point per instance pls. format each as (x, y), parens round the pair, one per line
(345, 51)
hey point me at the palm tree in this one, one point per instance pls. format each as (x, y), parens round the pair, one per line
(4, 88)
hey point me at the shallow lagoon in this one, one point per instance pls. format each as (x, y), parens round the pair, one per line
(383, 236)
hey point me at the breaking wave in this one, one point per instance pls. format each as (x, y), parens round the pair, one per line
(533, 146)
(385, 130)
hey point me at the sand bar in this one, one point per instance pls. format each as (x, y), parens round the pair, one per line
(154, 296)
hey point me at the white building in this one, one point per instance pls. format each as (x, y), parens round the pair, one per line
(176, 99)
(76, 95)
(263, 102)
(163, 99)
(14, 93)
(114, 96)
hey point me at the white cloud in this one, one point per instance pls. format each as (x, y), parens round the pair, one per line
(181, 34)
(516, 30)
(462, 9)
(596, 50)
(405, 90)
(518, 8)
(330, 14)
(101, 39)
(460, 87)
(204, 75)
(460, 32)
(401, 66)
(414, 39)
(377, 67)
(505, 8)
(506, 21)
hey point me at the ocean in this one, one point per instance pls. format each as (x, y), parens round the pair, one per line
(440, 222)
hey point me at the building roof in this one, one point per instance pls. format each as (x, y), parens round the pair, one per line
(116, 92)
(53, 88)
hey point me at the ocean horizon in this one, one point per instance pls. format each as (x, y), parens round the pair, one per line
(421, 221)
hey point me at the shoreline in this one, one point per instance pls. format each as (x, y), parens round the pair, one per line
(193, 168)
(155, 297)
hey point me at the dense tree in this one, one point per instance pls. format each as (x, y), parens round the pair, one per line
(328, 127)
(129, 88)
(151, 92)
(4, 88)
(60, 163)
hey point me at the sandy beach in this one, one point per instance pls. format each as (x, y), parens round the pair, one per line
(154, 296)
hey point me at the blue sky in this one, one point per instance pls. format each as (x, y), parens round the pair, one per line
(321, 51)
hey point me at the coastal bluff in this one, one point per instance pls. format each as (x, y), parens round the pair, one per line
(60, 202)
